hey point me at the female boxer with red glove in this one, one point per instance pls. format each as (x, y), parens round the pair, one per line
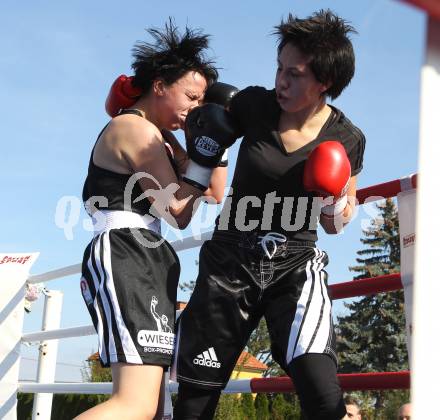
(298, 160)
(327, 172)
(129, 272)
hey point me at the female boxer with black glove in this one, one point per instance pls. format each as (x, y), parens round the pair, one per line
(129, 272)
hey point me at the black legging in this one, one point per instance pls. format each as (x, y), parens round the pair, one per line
(195, 403)
(315, 380)
(317, 386)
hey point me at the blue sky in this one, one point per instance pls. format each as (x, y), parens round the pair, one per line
(58, 60)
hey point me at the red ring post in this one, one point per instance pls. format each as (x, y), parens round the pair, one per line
(363, 287)
(348, 381)
(385, 190)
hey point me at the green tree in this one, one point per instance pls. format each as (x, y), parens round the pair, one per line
(228, 408)
(371, 337)
(64, 406)
(261, 407)
(94, 372)
(259, 345)
(293, 411)
(247, 407)
(382, 252)
(67, 406)
(280, 409)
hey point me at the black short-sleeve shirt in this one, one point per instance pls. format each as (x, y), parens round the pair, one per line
(267, 189)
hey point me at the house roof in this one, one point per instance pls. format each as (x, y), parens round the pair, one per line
(93, 357)
(180, 305)
(247, 361)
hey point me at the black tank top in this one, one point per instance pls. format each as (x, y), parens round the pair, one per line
(105, 189)
(267, 188)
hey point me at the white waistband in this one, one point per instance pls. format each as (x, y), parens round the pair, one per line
(104, 220)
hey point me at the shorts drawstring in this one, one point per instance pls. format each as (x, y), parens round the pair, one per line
(273, 238)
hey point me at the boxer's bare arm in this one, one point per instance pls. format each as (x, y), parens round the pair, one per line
(145, 152)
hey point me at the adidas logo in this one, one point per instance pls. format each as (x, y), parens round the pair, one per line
(208, 358)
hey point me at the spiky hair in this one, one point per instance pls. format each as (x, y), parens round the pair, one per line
(171, 56)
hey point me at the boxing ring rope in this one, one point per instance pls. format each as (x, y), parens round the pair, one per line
(349, 289)
(184, 244)
(349, 382)
(70, 332)
(366, 286)
(370, 194)
(386, 189)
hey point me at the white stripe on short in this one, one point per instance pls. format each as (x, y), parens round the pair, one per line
(106, 304)
(325, 328)
(128, 346)
(307, 329)
(98, 280)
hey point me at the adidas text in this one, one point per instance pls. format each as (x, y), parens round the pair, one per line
(207, 363)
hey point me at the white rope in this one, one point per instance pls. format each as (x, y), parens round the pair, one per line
(238, 386)
(186, 243)
(191, 242)
(55, 274)
(233, 387)
(81, 331)
(66, 388)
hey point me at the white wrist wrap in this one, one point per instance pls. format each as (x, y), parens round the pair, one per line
(199, 174)
(336, 208)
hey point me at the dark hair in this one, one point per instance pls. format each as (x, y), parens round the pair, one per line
(171, 56)
(349, 400)
(324, 37)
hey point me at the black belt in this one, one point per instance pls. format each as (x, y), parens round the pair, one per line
(269, 243)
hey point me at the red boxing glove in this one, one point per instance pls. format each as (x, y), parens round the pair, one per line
(122, 95)
(327, 171)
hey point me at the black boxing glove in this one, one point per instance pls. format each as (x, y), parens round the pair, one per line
(220, 93)
(209, 130)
